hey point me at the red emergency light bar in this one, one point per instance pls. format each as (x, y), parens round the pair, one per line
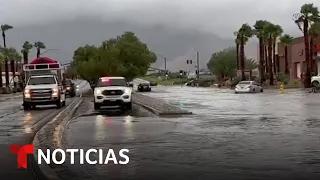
(105, 79)
(318, 47)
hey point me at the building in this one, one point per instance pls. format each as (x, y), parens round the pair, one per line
(296, 57)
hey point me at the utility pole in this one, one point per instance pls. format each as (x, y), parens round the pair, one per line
(198, 66)
(165, 65)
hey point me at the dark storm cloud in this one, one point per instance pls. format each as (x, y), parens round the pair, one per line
(221, 17)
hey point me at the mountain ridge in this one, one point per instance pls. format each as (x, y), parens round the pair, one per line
(166, 41)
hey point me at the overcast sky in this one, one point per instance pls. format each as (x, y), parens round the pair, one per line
(222, 17)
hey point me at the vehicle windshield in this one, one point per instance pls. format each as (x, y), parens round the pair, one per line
(68, 82)
(245, 82)
(111, 82)
(41, 80)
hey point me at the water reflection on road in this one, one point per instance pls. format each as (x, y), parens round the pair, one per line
(232, 136)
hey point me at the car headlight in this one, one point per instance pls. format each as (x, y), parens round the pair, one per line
(98, 91)
(127, 91)
(27, 93)
(55, 91)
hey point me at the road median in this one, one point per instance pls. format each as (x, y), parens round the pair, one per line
(158, 106)
(49, 137)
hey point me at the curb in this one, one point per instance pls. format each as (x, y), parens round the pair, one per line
(159, 113)
(44, 171)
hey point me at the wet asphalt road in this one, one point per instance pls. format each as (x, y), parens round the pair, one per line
(19, 127)
(232, 136)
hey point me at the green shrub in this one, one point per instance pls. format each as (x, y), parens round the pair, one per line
(294, 84)
(235, 81)
(283, 78)
(205, 82)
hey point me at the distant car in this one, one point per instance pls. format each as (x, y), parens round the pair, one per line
(70, 88)
(144, 87)
(248, 87)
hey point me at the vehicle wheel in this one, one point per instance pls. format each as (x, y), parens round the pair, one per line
(58, 104)
(261, 90)
(73, 94)
(96, 106)
(26, 106)
(315, 84)
(236, 92)
(127, 108)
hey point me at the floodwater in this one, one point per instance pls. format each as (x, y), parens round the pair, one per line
(231, 136)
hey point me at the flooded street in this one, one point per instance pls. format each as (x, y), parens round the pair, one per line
(231, 136)
(19, 127)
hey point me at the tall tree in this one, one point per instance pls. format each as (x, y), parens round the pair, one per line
(237, 41)
(223, 63)
(124, 56)
(26, 47)
(286, 40)
(14, 58)
(314, 32)
(4, 29)
(277, 32)
(1, 65)
(39, 45)
(270, 30)
(259, 31)
(308, 13)
(245, 32)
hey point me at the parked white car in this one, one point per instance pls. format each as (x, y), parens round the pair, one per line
(248, 87)
(315, 80)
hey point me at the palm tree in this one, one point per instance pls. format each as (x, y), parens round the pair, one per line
(259, 31)
(308, 13)
(1, 63)
(314, 32)
(270, 31)
(237, 41)
(39, 45)
(13, 56)
(26, 47)
(278, 31)
(244, 33)
(286, 40)
(4, 28)
(265, 47)
(251, 64)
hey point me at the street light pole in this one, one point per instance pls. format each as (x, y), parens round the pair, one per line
(165, 63)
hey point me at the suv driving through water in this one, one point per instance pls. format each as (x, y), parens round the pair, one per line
(112, 92)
